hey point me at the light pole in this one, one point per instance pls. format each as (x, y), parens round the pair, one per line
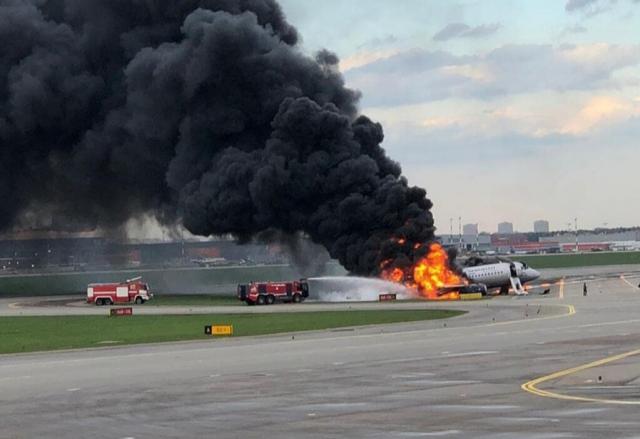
(576, 223)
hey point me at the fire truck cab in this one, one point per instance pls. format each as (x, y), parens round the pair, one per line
(267, 293)
(132, 290)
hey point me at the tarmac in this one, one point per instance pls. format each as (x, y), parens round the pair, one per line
(555, 366)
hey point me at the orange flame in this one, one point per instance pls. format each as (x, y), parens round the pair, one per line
(431, 276)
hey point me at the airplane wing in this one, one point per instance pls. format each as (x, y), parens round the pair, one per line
(449, 289)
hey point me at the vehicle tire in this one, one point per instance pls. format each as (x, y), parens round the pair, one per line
(297, 298)
(139, 300)
(99, 302)
(260, 300)
(271, 299)
(108, 302)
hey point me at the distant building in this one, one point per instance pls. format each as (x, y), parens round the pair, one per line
(470, 229)
(541, 226)
(505, 228)
(505, 242)
(479, 242)
(594, 241)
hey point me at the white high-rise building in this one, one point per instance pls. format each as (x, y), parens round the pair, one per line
(470, 229)
(541, 226)
(506, 228)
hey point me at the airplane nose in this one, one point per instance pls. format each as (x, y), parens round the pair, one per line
(534, 274)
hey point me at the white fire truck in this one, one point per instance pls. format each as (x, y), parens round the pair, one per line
(132, 290)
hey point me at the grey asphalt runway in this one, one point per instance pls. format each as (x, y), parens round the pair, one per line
(392, 381)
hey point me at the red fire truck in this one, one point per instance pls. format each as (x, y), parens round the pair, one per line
(132, 290)
(267, 293)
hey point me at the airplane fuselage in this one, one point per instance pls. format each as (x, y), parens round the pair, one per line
(500, 274)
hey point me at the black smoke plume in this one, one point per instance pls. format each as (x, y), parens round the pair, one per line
(204, 112)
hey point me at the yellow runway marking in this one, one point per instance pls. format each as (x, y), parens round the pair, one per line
(531, 386)
(627, 282)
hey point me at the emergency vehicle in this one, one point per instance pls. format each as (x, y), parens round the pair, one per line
(267, 293)
(132, 290)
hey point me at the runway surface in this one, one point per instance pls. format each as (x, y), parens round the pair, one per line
(393, 381)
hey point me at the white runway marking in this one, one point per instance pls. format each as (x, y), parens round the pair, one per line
(614, 423)
(627, 282)
(602, 387)
(23, 377)
(401, 360)
(412, 375)
(471, 354)
(441, 382)
(475, 408)
(524, 419)
(580, 412)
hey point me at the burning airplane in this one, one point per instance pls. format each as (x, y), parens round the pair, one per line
(433, 277)
(430, 276)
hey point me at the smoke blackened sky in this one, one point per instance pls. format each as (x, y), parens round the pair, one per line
(203, 112)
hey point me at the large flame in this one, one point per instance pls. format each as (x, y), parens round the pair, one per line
(430, 277)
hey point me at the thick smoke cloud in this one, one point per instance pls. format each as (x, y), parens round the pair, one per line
(201, 112)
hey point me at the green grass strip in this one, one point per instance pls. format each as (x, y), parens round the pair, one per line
(580, 259)
(28, 334)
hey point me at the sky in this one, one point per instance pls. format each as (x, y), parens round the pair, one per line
(503, 110)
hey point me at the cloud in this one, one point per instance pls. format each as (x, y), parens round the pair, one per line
(591, 7)
(510, 127)
(442, 140)
(371, 50)
(421, 75)
(461, 30)
(363, 58)
(601, 111)
(554, 171)
(451, 30)
(575, 5)
(376, 42)
(575, 29)
(519, 140)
